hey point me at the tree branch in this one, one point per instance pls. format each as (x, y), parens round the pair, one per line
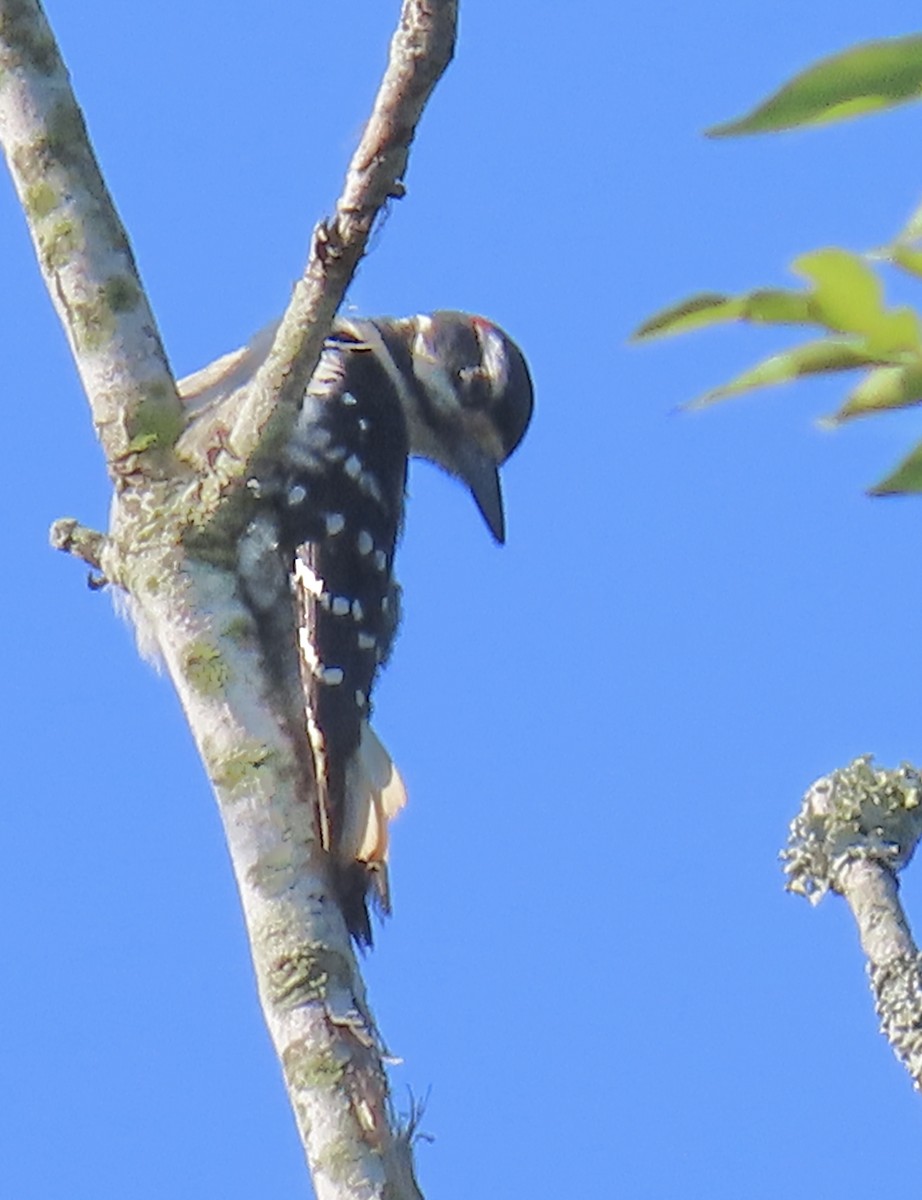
(183, 588)
(420, 52)
(82, 249)
(857, 828)
(310, 988)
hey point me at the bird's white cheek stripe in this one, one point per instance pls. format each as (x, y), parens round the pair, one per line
(494, 358)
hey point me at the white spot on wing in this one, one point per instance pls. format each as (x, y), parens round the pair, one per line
(353, 466)
(307, 578)
(380, 560)
(331, 675)
(358, 612)
(335, 523)
(340, 606)
(369, 486)
(366, 641)
(364, 543)
(318, 437)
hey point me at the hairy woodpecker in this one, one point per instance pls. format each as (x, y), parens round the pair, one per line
(316, 562)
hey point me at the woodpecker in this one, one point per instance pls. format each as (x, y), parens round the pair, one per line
(316, 561)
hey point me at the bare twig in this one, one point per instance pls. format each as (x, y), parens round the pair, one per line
(184, 588)
(420, 51)
(70, 536)
(857, 828)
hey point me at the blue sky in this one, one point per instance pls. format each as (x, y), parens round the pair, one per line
(605, 727)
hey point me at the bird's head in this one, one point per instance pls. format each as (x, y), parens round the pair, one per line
(474, 400)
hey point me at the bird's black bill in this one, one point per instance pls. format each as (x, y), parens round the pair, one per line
(481, 475)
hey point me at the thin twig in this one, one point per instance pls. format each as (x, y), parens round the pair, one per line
(69, 535)
(420, 51)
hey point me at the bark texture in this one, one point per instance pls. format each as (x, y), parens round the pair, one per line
(857, 828)
(179, 463)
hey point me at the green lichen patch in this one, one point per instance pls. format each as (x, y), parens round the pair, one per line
(141, 442)
(58, 242)
(31, 161)
(158, 419)
(241, 767)
(205, 668)
(859, 811)
(121, 293)
(67, 136)
(27, 38)
(92, 322)
(303, 975)
(40, 200)
(306, 1068)
(337, 1161)
(897, 986)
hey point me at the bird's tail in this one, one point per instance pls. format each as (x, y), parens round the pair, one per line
(375, 794)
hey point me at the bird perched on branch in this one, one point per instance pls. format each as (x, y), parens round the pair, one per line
(447, 386)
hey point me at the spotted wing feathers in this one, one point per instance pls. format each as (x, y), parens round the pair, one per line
(344, 493)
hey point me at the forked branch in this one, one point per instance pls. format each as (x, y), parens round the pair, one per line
(173, 480)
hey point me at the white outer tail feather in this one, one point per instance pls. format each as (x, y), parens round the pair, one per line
(375, 794)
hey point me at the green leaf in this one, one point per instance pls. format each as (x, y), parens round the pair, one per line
(813, 358)
(777, 306)
(766, 306)
(847, 295)
(883, 389)
(705, 308)
(848, 298)
(905, 251)
(906, 478)
(897, 333)
(907, 258)
(861, 80)
(912, 230)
